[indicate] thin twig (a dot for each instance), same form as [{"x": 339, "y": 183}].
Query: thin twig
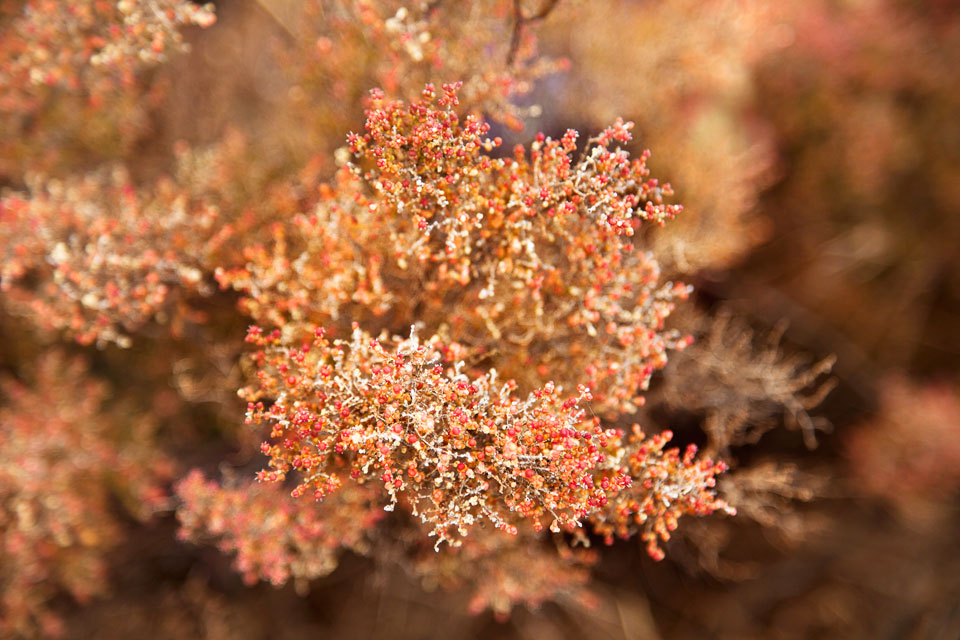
[{"x": 520, "y": 20}]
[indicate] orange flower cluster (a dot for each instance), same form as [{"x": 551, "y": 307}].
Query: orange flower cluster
[
  {"x": 67, "y": 45},
  {"x": 526, "y": 260},
  {"x": 95, "y": 258},
  {"x": 456, "y": 450},
  {"x": 70, "y": 69},
  {"x": 666, "y": 485}
]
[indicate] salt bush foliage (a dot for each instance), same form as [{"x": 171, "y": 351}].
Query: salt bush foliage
[
  {"x": 64, "y": 456},
  {"x": 457, "y": 450},
  {"x": 73, "y": 75},
  {"x": 534, "y": 252},
  {"x": 451, "y": 339},
  {"x": 102, "y": 259}
]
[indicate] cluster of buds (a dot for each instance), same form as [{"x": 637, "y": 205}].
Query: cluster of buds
[
  {"x": 275, "y": 538},
  {"x": 457, "y": 450},
  {"x": 78, "y": 44},
  {"x": 62, "y": 457},
  {"x": 320, "y": 267},
  {"x": 74, "y": 91},
  {"x": 666, "y": 485},
  {"x": 530, "y": 256},
  {"x": 93, "y": 257}
]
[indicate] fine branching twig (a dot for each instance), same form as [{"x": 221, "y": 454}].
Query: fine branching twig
[{"x": 520, "y": 20}]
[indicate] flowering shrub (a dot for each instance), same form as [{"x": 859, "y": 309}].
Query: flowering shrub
[
  {"x": 453, "y": 336},
  {"x": 62, "y": 457},
  {"x": 534, "y": 252},
  {"x": 61, "y": 60},
  {"x": 457, "y": 451},
  {"x": 102, "y": 259},
  {"x": 273, "y": 537}
]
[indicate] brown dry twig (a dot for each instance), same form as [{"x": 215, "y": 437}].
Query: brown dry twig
[{"x": 520, "y": 20}]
